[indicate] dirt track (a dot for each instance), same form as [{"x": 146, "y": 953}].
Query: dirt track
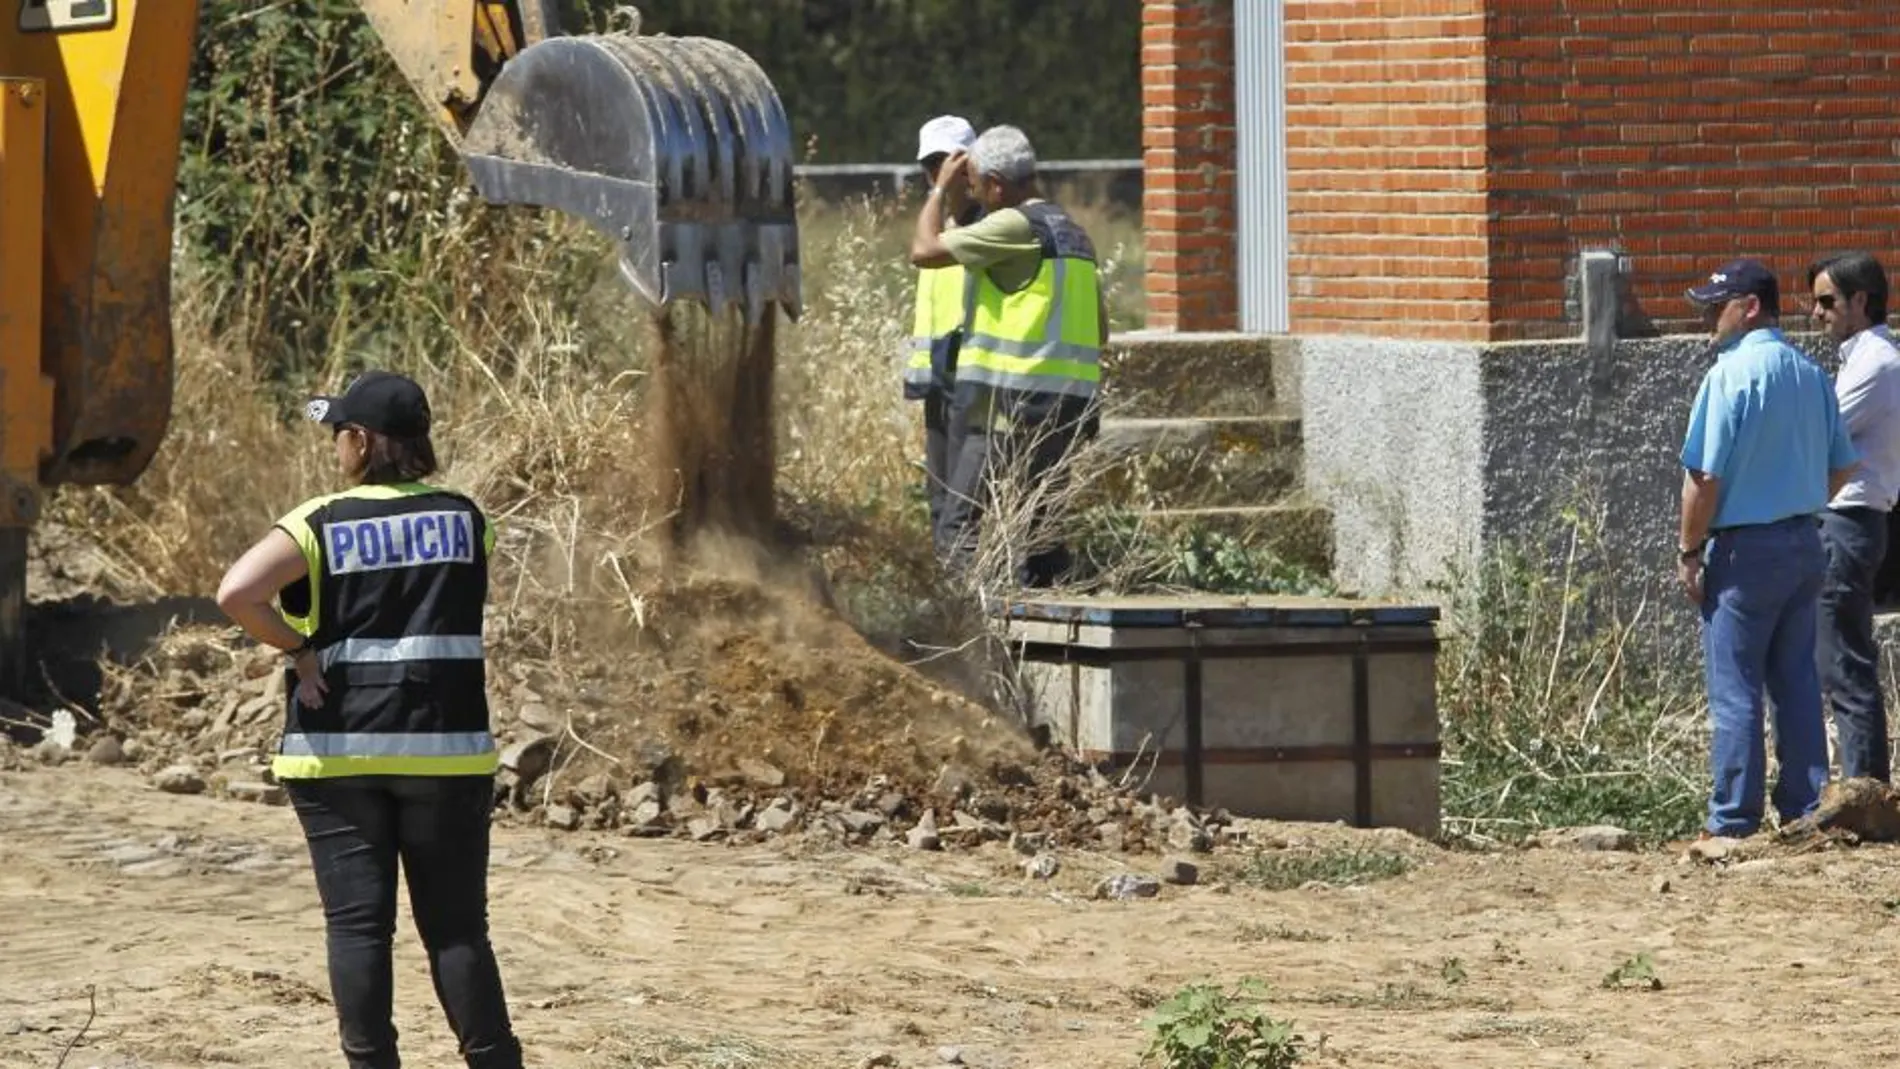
[{"x": 196, "y": 920}]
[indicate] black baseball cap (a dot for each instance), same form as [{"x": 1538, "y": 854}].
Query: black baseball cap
[
  {"x": 1739, "y": 278},
  {"x": 380, "y": 401}
]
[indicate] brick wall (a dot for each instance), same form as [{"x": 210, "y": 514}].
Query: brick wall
[
  {"x": 1385, "y": 166},
  {"x": 1188, "y": 207},
  {"x": 1449, "y": 159},
  {"x": 1682, "y": 135}
]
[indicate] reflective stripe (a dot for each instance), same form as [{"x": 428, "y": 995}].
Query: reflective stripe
[
  {"x": 407, "y": 648},
  {"x": 1047, "y": 365},
  {"x": 1055, "y": 349},
  {"x": 387, "y": 744},
  {"x": 297, "y": 768}
]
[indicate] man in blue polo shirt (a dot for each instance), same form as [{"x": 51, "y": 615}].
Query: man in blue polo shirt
[{"x": 1765, "y": 451}]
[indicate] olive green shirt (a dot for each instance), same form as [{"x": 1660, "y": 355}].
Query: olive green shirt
[{"x": 1002, "y": 243}]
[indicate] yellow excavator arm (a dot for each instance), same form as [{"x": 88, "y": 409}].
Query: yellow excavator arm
[{"x": 676, "y": 148}]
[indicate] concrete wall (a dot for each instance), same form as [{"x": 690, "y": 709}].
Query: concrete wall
[
  {"x": 1430, "y": 454},
  {"x": 1394, "y": 440}
]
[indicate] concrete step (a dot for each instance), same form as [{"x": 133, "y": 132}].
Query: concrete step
[
  {"x": 1192, "y": 463},
  {"x": 1295, "y": 530},
  {"x": 1163, "y": 374}
]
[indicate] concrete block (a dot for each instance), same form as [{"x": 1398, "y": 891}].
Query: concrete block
[
  {"x": 1178, "y": 463},
  {"x": 1162, "y": 374},
  {"x": 1298, "y": 700}
]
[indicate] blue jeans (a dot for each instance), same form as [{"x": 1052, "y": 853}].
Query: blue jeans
[
  {"x": 1760, "y": 607},
  {"x": 1856, "y": 541}
]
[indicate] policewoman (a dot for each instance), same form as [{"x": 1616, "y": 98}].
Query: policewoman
[{"x": 386, "y": 751}]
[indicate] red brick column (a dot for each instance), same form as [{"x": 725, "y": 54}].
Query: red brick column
[
  {"x": 1385, "y": 117},
  {"x": 1188, "y": 205}
]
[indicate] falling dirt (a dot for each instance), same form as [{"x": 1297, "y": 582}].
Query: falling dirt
[{"x": 709, "y": 421}]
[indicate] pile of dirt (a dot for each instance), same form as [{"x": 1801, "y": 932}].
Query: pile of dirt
[{"x": 742, "y": 710}]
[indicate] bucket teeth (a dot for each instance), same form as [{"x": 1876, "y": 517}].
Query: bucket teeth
[{"x": 677, "y": 148}]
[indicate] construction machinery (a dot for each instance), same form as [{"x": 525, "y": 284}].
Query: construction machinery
[{"x": 676, "y": 148}]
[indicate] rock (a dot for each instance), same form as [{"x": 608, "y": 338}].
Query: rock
[
  {"x": 563, "y": 817},
  {"x": 595, "y": 790},
  {"x": 950, "y": 1055},
  {"x": 646, "y": 814},
  {"x": 1190, "y": 837},
  {"x": 954, "y": 781},
  {"x": 702, "y": 829},
  {"x": 761, "y": 774},
  {"x": 529, "y": 760},
  {"x": 1042, "y": 867},
  {"x": 250, "y": 791},
  {"x": 179, "y": 779},
  {"x": 1029, "y": 843},
  {"x": 778, "y": 817},
  {"x": 924, "y": 836},
  {"x": 967, "y": 827},
  {"x": 1594, "y": 838},
  {"x": 48, "y": 751},
  {"x": 1113, "y": 836},
  {"x": 858, "y": 822},
  {"x": 63, "y": 730},
  {"x": 1128, "y": 885},
  {"x": 1866, "y": 809},
  {"x": 1661, "y": 885},
  {"x": 133, "y": 749},
  {"x": 107, "y": 751},
  {"x": 1181, "y": 873},
  {"x": 240, "y": 753},
  {"x": 537, "y": 716},
  {"x": 644, "y": 792},
  {"x": 1713, "y": 850},
  {"x": 994, "y": 809},
  {"x": 892, "y": 803},
  {"x": 878, "y": 1060}
]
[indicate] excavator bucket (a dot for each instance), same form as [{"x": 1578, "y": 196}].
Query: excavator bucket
[{"x": 677, "y": 148}]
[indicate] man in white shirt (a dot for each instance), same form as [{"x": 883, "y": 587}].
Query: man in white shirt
[{"x": 1850, "y": 303}]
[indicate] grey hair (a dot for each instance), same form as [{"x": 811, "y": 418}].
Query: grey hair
[{"x": 1004, "y": 152}]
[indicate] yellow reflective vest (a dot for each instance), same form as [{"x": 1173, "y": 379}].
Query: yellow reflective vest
[
  {"x": 939, "y": 312},
  {"x": 393, "y": 605},
  {"x": 1037, "y": 349}
]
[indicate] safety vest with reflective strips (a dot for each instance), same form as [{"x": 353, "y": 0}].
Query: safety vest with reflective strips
[
  {"x": 394, "y": 598},
  {"x": 941, "y": 303},
  {"x": 1039, "y": 348}
]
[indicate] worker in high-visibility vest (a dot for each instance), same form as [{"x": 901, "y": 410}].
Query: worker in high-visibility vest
[
  {"x": 937, "y": 321},
  {"x": 1029, "y": 365},
  {"x": 379, "y": 593}
]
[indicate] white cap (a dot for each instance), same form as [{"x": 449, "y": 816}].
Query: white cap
[{"x": 945, "y": 134}]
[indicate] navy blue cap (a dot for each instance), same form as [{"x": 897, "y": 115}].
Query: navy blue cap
[
  {"x": 381, "y": 401},
  {"x": 1739, "y": 278}
]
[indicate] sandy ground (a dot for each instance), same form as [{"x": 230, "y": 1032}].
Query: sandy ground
[{"x": 195, "y": 922}]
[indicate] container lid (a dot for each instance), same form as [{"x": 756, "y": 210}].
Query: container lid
[{"x": 1215, "y": 610}]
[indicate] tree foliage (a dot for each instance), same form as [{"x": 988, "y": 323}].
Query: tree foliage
[{"x": 859, "y": 76}]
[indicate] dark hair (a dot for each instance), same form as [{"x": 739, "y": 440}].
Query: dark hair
[
  {"x": 398, "y": 460},
  {"x": 1856, "y": 272}
]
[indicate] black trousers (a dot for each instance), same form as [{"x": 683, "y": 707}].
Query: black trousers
[
  {"x": 1033, "y": 458},
  {"x": 939, "y": 454},
  {"x": 358, "y": 828}
]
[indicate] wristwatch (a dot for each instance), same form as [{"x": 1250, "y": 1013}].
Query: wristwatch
[
  {"x": 1692, "y": 553},
  {"x": 309, "y": 643}
]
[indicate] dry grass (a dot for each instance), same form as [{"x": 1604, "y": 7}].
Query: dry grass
[{"x": 541, "y": 398}]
